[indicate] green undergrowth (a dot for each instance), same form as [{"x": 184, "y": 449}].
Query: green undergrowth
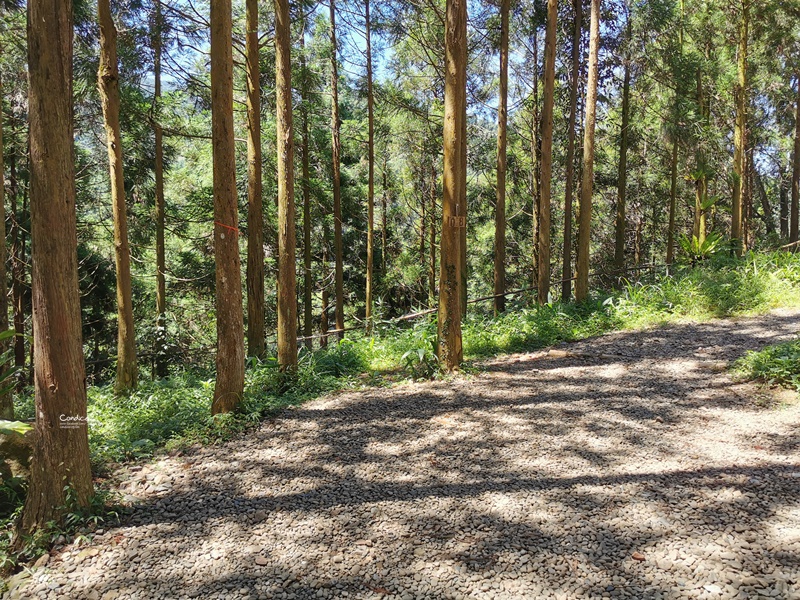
[
  {"x": 774, "y": 365},
  {"x": 174, "y": 413}
]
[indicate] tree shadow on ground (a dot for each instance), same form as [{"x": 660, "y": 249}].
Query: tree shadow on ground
[{"x": 539, "y": 478}]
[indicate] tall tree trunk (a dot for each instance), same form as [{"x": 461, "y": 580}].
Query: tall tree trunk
[
  {"x": 384, "y": 219},
  {"x": 337, "y": 197},
  {"x": 423, "y": 233},
  {"x": 308, "y": 316},
  {"x": 60, "y": 460},
  {"x": 432, "y": 242},
  {"x": 17, "y": 270},
  {"x": 326, "y": 296},
  {"x": 783, "y": 199},
  {"x": 6, "y": 399},
  {"x": 371, "y": 179},
  {"x": 673, "y": 187},
  {"x": 739, "y": 132},
  {"x": 108, "y": 84},
  {"x": 587, "y": 175},
  {"x": 535, "y": 166},
  {"x": 769, "y": 221},
  {"x": 500, "y": 204},
  {"x": 543, "y": 272},
  {"x": 161, "y": 263},
  {"x": 287, "y": 302},
  {"x": 464, "y": 210},
  {"x": 256, "y": 338},
  {"x": 453, "y": 219},
  {"x": 230, "y": 318},
  {"x": 701, "y": 182},
  {"x": 673, "y": 200},
  {"x": 622, "y": 173},
  {"x": 795, "y": 207},
  {"x": 566, "y": 273}
]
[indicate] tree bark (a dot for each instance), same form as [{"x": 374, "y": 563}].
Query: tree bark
[
  {"x": 464, "y": 210},
  {"x": 6, "y": 400},
  {"x": 337, "y": 197},
  {"x": 384, "y": 219},
  {"x": 108, "y": 85},
  {"x": 432, "y": 241},
  {"x": 453, "y": 219},
  {"x": 500, "y": 204},
  {"x": 701, "y": 182},
  {"x": 769, "y": 221},
  {"x": 794, "y": 211},
  {"x": 161, "y": 263},
  {"x": 535, "y": 163},
  {"x": 256, "y": 326},
  {"x": 371, "y": 178},
  {"x": 783, "y": 199},
  {"x": 308, "y": 315},
  {"x": 673, "y": 200},
  {"x": 566, "y": 273},
  {"x": 587, "y": 176},
  {"x": 60, "y": 459},
  {"x": 739, "y": 132},
  {"x": 287, "y": 302},
  {"x": 622, "y": 173},
  {"x": 17, "y": 270},
  {"x": 230, "y": 318},
  {"x": 543, "y": 272}
]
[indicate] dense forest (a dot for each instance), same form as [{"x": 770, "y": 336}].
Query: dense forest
[{"x": 221, "y": 184}]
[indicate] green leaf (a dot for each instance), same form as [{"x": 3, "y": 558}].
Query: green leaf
[{"x": 19, "y": 427}]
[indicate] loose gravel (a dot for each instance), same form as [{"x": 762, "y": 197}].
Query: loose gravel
[{"x": 626, "y": 466}]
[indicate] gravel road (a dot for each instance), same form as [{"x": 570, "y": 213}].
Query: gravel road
[{"x": 626, "y": 466}]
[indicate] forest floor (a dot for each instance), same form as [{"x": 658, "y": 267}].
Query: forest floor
[{"x": 625, "y": 466}]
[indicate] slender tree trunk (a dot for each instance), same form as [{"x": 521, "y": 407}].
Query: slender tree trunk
[
  {"x": 587, "y": 176},
  {"x": 795, "y": 206},
  {"x": 256, "y": 331},
  {"x": 423, "y": 234},
  {"x": 673, "y": 200},
  {"x": 326, "y": 297},
  {"x": 287, "y": 301},
  {"x": 108, "y": 84},
  {"x": 464, "y": 210},
  {"x": 308, "y": 315},
  {"x": 6, "y": 399},
  {"x": 371, "y": 179},
  {"x": 622, "y": 173},
  {"x": 699, "y": 228},
  {"x": 535, "y": 163},
  {"x": 739, "y": 133},
  {"x": 384, "y": 219},
  {"x": 783, "y": 195},
  {"x": 566, "y": 274},
  {"x": 337, "y": 197},
  {"x": 17, "y": 271},
  {"x": 453, "y": 219},
  {"x": 673, "y": 188},
  {"x": 60, "y": 460},
  {"x": 161, "y": 263},
  {"x": 543, "y": 272},
  {"x": 769, "y": 221},
  {"x": 432, "y": 242},
  {"x": 230, "y": 318},
  {"x": 500, "y": 205}
]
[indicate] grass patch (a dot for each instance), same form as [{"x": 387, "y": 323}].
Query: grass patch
[
  {"x": 774, "y": 365},
  {"x": 174, "y": 413}
]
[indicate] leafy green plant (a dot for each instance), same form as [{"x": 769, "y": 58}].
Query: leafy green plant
[
  {"x": 697, "y": 250},
  {"x": 775, "y": 365},
  {"x": 420, "y": 358}
]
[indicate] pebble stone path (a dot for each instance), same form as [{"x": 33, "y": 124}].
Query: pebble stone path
[{"x": 626, "y": 466}]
